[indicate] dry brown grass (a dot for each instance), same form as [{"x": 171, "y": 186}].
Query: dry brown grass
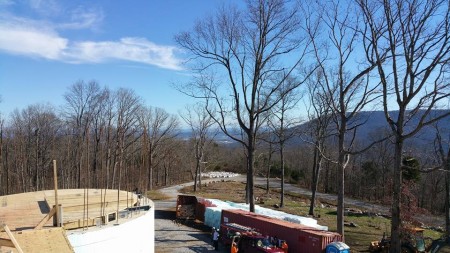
[{"x": 156, "y": 195}]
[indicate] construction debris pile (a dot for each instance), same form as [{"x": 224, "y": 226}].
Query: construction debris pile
[{"x": 219, "y": 174}]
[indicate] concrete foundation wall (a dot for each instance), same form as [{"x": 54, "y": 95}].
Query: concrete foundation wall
[{"x": 135, "y": 234}]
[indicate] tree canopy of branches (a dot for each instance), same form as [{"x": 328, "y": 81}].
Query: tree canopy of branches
[
  {"x": 282, "y": 124},
  {"x": 200, "y": 123},
  {"x": 158, "y": 127},
  {"x": 414, "y": 35},
  {"x": 82, "y": 100},
  {"x": 243, "y": 49},
  {"x": 335, "y": 35},
  {"x": 442, "y": 150},
  {"x": 319, "y": 115}
]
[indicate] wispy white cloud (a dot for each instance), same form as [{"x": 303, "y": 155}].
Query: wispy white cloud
[
  {"x": 43, "y": 41},
  {"x": 128, "y": 49},
  {"x": 29, "y": 41},
  {"x": 45, "y": 7},
  {"x": 82, "y": 18}
]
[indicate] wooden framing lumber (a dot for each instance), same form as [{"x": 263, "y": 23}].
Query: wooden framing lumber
[
  {"x": 57, "y": 211},
  {"x": 13, "y": 240},
  {"x": 80, "y": 223},
  {"x": 46, "y": 218},
  {"x": 6, "y": 243},
  {"x": 34, "y": 209}
]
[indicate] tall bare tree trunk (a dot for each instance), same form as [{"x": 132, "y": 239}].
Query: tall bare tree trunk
[
  {"x": 447, "y": 193},
  {"x": 250, "y": 184},
  {"x": 341, "y": 188},
  {"x": 3, "y": 191},
  {"x": 282, "y": 174},
  {"x": 447, "y": 202},
  {"x": 36, "y": 182},
  {"x": 150, "y": 170},
  {"x": 197, "y": 172},
  {"x": 317, "y": 164},
  {"x": 396, "y": 195},
  {"x": 269, "y": 164}
]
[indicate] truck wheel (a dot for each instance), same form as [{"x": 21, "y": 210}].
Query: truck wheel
[{"x": 407, "y": 249}]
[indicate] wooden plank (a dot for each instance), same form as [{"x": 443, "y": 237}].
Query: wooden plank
[
  {"x": 46, "y": 219},
  {"x": 71, "y": 198},
  {"x": 13, "y": 239},
  {"x": 6, "y": 243},
  {"x": 79, "y": 223},
  {"x": 55, "y": 178}
]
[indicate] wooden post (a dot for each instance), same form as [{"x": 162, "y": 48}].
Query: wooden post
[{"x": 55, "y": 176}]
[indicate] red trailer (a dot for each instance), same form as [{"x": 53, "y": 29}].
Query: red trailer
[
  {"x": 200, "y": 208},
  {"x": 300, "y": 238}
]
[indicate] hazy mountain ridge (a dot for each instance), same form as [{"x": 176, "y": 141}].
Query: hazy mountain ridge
[{"x": 374, "y": 124}]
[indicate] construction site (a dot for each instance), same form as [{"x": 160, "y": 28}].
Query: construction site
[{"x": 76, "y": 220}]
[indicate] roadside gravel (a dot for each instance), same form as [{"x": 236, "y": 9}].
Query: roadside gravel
[{"x": 181, "y": 238}]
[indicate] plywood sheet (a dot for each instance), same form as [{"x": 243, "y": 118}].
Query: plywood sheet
[{"x": 53, "y": 240}]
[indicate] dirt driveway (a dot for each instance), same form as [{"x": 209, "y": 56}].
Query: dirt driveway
[
  {"x": 179, "y": 238},
  {"x": 171, "y": 237}
]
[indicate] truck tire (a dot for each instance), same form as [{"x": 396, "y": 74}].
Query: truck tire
[{"x": 407, "y": 249}]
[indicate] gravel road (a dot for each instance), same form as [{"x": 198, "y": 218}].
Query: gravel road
[
  {"x": 170, "y": 237},
  {"x": 180, "y": 238}
]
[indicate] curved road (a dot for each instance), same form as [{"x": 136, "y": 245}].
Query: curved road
[{"x": 289, "y": 188}]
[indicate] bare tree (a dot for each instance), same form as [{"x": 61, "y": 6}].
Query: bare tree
[
  {"x": 244, "y": 48},
  {"x": 110, "y": 115},
  {"x": 269, "y": 139},
  {"x": 319, "y": 114},
  {"x": 282, "y": 123},
  {"x": 442, "y": 149},
  {"x": 128, "y": 105},
  {"x": 99, "y": 127},
  {"x": 81, "y": 100},
  {"x": 4, "y": 177},
  {"x": 158, "y": 127},
  {"x": 35, "y": 130},
  {"x": 200, "y": 122},
  {"x": 337, "y": 42},
  {"x": 415, "y": 35}
]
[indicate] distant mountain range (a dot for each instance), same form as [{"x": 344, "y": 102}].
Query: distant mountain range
[{"x": 374, "y": 125}]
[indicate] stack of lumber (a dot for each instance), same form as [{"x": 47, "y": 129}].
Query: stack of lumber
[{"x": 186, "y": 211}]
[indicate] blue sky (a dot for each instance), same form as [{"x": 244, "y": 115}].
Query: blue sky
[{"x": 47, "y": 45}]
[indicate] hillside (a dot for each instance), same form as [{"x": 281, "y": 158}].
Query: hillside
[{"x": 374, "y": 125}]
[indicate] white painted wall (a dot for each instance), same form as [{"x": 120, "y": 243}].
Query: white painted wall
[{"x": 137, "y": 234}]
